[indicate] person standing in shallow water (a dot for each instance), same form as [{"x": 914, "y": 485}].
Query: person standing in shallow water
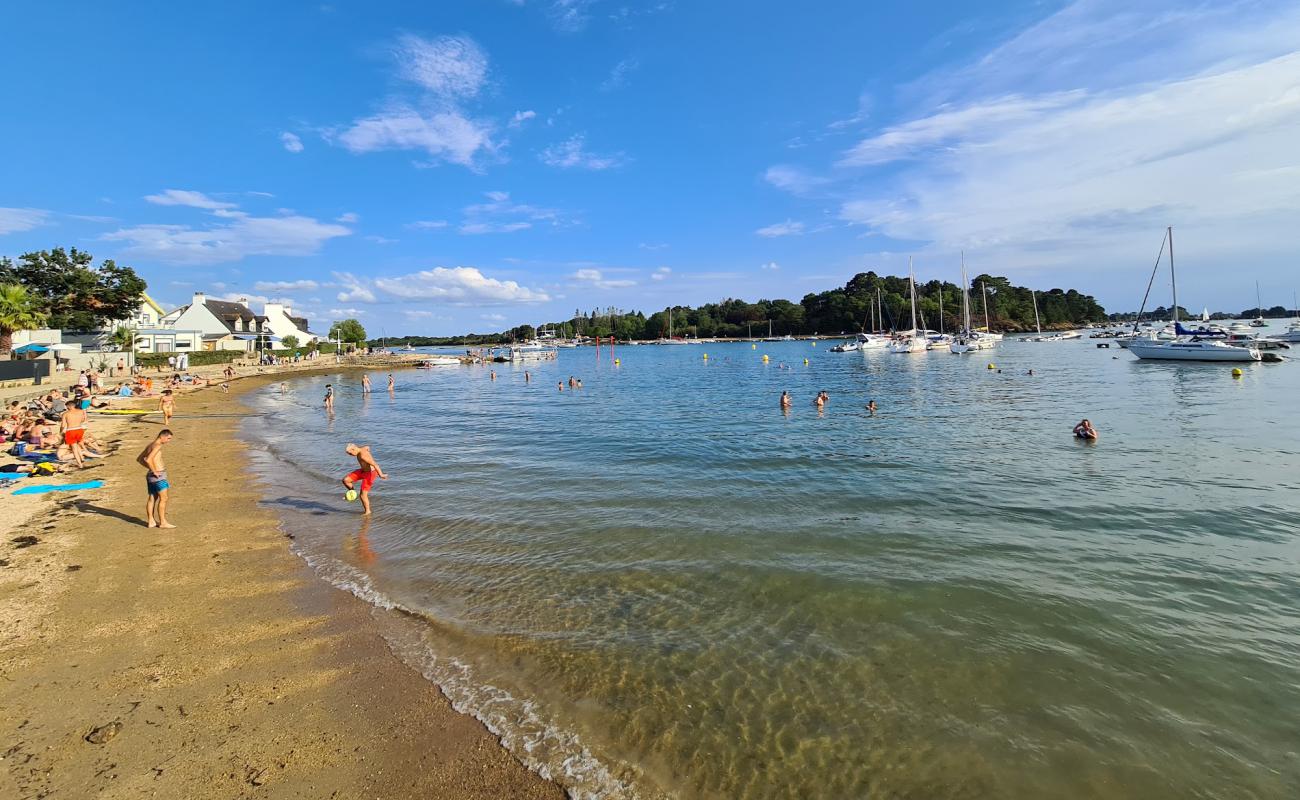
[
  {"x": 367, "y": 470},
  {"x": 391, "y": 384},
  {"x": 785, "y": 401},
  {"x": 365, "y": 384}
]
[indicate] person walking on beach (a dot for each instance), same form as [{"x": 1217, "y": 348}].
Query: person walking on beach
[
  {"x": 155, "y": 477},
  {"x": 365, "y": 384},
  {"x": 72, "y": 426},
  {"x": 167, "y": 405},
  {"x": 367, "y": 470}
]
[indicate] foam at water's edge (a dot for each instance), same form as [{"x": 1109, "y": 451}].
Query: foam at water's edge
[{"x": 543, "y": 747}]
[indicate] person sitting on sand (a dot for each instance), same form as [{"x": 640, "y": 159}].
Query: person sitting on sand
[
  {"x": 367, "y": 470},
  {"x": 167, "y": 405},
  {"x": 1084, "y": 430},
  {"x": 155, "y": 476}
]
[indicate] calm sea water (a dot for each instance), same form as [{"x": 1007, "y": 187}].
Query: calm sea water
[{"x": 661, "y": 585}]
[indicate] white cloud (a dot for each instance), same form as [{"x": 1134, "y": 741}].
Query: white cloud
[
  {"x": 238, "y": 234},
  {"x": 417, "y": 314},
  {"x": 380, "y": 240},
  {"x": 652, "y": 246},
  {"x": 185, "y": 197},
  {"x": 447, "y": 135},
  {"x": 347, "y": 312},
  {"x": 447, "y": 66},
  {"x": 291, "y": 142},
  {"x": 521, "y": 117},
  {"x": 347, "y": 217},
  {"x": 428, "y": 224},
  {"x": 493, "y": 317},
  {"x": 1091, "y": 179},
  {"x": 787, "y": 228},
  {"x": 951, "y": 124},
  {"x": 661, "y": 273},
  {"x": 594, "y": 277},
  {"x": 463, "y": 285},
  {"x": 476, "y": 228},
  {"x": 286, "y": 286},
  {"x": 15, "y": 220},
  {"x": 354, "y": 289},
  {"x": 572, "y": 153},
  {"x": 770, "y": 266}
]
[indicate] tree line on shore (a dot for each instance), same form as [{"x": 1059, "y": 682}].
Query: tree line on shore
[{"x": 867, "y": 302}]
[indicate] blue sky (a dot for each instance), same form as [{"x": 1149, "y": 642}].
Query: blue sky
[{"x": 453, "y": 166}]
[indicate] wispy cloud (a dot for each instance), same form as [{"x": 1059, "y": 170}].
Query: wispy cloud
[
  {"x": 291, "y": 142},
  {"x": 787, "y": 228},
  {"x": 570, "y": 16},
  {"x": 15, "y": 220},
  {"x": 500, "y": 214},
  {"x": 594, "y": 277},
  {"x": 452, "y": 67},
  {"x": 186, "y": 197},
  {"x": 449, "y": 71},
  {"x": 286, "y": 286},
  {"x": 661, "y": 273},
  {"x": 355, "y": 290},
  {"x": 520, "y": 118},
  {"x": 618, "y": 76},
  {"x": 459, "y": 285},
  {"x": 235, "y": 236},
  {"x": 428, "y": 224},
  {"x": 572, "y": 153},
  {"x": 653, "y": 246},
  {"x": 770, "y": 266},
  {"x": 794, "y": 180}
]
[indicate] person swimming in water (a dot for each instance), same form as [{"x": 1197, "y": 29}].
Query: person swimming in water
[
  {"x": 871, "y": 406},
  {"x": 785, "y": 401},
  {"x": 1084, "y": 430}
]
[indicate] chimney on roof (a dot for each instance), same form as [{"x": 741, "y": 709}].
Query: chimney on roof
[
  {"x": 199, "y": 299},
  {"x": 243, "y": 301}
]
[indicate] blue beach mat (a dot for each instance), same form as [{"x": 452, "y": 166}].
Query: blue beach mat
[{"x": 58, "y": 487}]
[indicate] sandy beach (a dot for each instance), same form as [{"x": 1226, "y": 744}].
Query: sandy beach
[{"x": 207, "y": 661}]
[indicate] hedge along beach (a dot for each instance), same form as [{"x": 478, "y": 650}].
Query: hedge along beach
[{"x": 138, "y": 661}]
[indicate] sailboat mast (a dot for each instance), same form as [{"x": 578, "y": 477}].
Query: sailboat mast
[
  {"x": 880, "y": 310},
  {"x": 911, "y": 281},
  {"x": 1173, "y": 281},
  {"x": 965, "y": 295},
  {"x": 1037, "y": 324},
  {"x": 984, "y": 292},
  {"x": 941, "y": 307}
]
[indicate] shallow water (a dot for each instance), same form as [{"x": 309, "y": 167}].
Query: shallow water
[{"x": 661, "y": 584}]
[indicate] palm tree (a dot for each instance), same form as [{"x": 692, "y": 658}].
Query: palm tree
[
  {"x": 123, "y": 339},
  {"x": 18, "y": 312}
]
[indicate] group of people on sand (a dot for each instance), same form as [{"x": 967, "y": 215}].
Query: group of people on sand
[{"x": 55, "y": 422}]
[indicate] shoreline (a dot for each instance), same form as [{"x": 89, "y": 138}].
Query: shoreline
[{"x": 226, "y": 661}]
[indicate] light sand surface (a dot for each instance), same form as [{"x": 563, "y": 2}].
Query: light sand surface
[{"x": 231, "y": 669}]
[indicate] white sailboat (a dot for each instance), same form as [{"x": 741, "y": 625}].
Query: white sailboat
[
  {"x": 967, "y": 341},
  {"x": 1258, "y": 321},
  {"x": 670, "y": 339},
  {"x": 1187, "y": 348},
  {"x": 912, "y": 341},
  {"x": 872, "y": 341}
]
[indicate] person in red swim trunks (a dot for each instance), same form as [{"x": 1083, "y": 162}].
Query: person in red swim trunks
[{"x": 367, "y": 470}]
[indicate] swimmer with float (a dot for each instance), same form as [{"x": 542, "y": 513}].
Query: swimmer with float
[{"x": 365, "y": 474}]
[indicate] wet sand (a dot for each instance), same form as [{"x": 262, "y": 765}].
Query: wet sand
[{"x": 214, "y": 663}]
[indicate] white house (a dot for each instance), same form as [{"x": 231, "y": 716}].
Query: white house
[
  {"x": 281, "y": 322},
  {"x": 223, "y": 325}
]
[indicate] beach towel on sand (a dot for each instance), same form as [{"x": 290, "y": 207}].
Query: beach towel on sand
[{"x": 42, "y": 488}]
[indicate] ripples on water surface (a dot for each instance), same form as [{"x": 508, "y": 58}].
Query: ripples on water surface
[{"x": 659, "y": 583}]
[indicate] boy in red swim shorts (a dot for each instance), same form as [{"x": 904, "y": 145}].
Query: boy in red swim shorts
[{"x": 367, "y": 470}]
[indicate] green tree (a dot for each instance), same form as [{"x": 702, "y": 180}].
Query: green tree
[
  {"x": 349, "y": 331},
  {"x": 18, "y": 312},
  {"x": 73, "y": 293},
  {"x": 289, "y": 342}
]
